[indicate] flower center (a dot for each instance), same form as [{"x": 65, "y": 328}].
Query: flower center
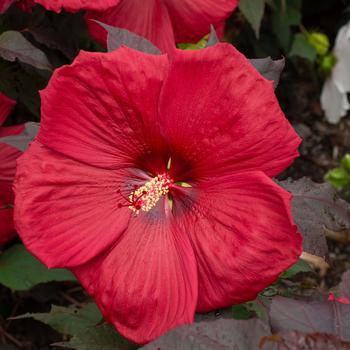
[{"x": 147, "y": 196}]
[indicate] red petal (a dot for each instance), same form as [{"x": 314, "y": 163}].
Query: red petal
[
  {"x": 9, "y": 153},
  {"x": 102, "y": 110},
  {"x": 26, "y": 5},
  {"x": 76, "y": 5},
  {"x": 6, "y": 193},
  {"x": 147, "y": 283},
  {"x": 242, "y": 233},
  {"x": 192, "y": 18},
  {"x": 222, "y": 116},
  {"x": 7, "y": 231},
  {"x": 66, "y": 212},
  {"x": 6, "y": 104},
  {"x": 149, "y": 19},
  {"x": 11, "y": 130},
  {"x": 4, "y": 5},
  {"x": 8, "y": 157}
]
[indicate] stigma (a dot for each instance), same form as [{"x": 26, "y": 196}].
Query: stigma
[{"x": 147, "y": 196}]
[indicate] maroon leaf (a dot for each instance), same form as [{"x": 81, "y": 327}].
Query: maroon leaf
[
  {"x": 316, "y": 206},
  {"x": 310, "y": 317},
  {"x": 302, "y": 341},
  {"x": 213, "y": 38},
  {"x": 22, "y": 140},
  {"x": 222, "y": 334},
  {"x": 117, "y": 37},
  {"x": 269, "y": 68},
  {"x": 345, "y": 285},
  {"x": 13, "y": 45}
]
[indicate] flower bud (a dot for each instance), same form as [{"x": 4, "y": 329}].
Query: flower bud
[
  {"x": 327, "y": 63},
  {"x": 345, "y": 162},
  {"x": 338, "y": 178},
  {"x": 319, "y": 41}
]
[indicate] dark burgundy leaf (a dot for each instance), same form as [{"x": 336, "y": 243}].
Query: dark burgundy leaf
[
  {"x": 222, "y": 334},
  {"x": 116, "y": 37},
  {"x": 22, "y": 141},
  {"x": 13, "y": 45},
  {"x": 302, "y": 341},
  {"x": 316, "y": 206},
  {"x": 269, "y": 68},
  {"x": 310, "y": 317},
  {"x": 345, "y": 285},
  {"x": 213, "y": 38},
  {"x": 22, "y": 83}
]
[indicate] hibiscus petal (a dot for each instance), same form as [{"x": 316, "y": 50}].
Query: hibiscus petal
[
  {"x": 66, "y": 212},
  {"x": 4, "y": 5},
  {"x": 192, "y": 18},
  {"x": 149, "y": 19},
  {"x": 77, "y": 5},
  {"x": 8, "y": 157},
  {"x": 222, "y": 116},
  {"x": 13, "y": 141},
  {"x": 6, "y": 104},
  {"x": 106, "y": 105},
  {"x": 6, "y": 193},
  {"x": 147, "y": 283},
  {"x": 7, "y": 230},
  {"x": 243, "y": 235},
  {"x": 11, "y": 130}
]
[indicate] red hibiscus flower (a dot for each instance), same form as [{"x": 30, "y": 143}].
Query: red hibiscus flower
[
  {"x": 150, "y": 179},
  {"x": 8, "y": 156},
  {"x": 13, "y": 141},
  {"x": 58, "y": 5},
  {"x": 163, "y": 22}
]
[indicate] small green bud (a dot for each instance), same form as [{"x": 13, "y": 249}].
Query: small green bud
[
  {"x": 345, "y": 162},
  {"x": 327, "y": 63},
  {"x": 319, "y": 41},
  {"x": 338, "y": 178}
]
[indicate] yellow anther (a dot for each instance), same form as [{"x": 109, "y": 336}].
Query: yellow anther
[{"x": 147, "y": 196}]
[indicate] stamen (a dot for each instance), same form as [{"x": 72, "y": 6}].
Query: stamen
[{"x": 147, "y": 196}]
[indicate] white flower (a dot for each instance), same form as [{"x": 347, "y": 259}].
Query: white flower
[{"x": 334, "y": 100}]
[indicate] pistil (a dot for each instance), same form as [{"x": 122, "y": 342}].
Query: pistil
[{"x": 147, "y": 196}]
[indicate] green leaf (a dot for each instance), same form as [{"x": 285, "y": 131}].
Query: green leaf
[
  {"x": 302, "y": 48},
  {"x": 282, "y": 30},
  {"x": 19, "y": 270},
  {"x": 13, "y": 45},
  {"x": 100, "y": 337},
  {"x": 254, "y": 12},
  {"x": 299, "y": 266},
  {"x": 84, "y": 327},
  {"x": 241, "y": 312},
  {"x": 68, "y": 320}
]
